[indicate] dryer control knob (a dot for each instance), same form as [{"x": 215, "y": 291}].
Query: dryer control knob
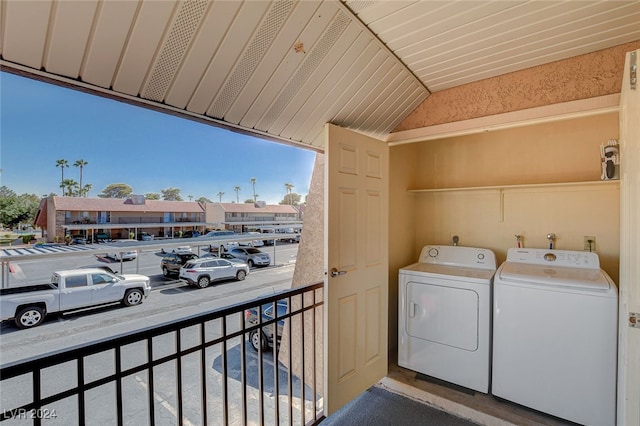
[
  {"x": 433, "y": 252},
  {"x": 480, "y": 256}
]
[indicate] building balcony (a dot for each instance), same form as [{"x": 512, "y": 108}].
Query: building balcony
[{"x": 200, "y": 370}]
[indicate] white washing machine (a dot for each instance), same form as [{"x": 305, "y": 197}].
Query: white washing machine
[
  {"x": 555, "y": 334},
  {"x": 444, "y": 315}
]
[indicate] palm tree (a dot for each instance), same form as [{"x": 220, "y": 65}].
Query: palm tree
[
  {"x": 253, "y": 182},
  {"x": 69, "y": 184},
  {"x": 85, "y": 190},
  {"x": 289, "y": 187},
  {"x": 80, "y": 163},
  {"x": 220, "y": 194},
  {"x": 237, "y": 189},
  {"x": 62, "y": 163},
  {"x": 190, "y": 197}
]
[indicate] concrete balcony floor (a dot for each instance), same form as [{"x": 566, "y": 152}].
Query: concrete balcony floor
[{"x": 477, "y": 407}]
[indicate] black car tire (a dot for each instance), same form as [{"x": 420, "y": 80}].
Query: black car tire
[
  {"x": 28, "y": 317},
  {"x": 133, "y": 297},
  {"x": 241, "y": 275},
  {"x": 203, "y": 282},
  {"x": 165, "y": 272},
  {"x": 258, "y": 341},
  {"x": 250, "y": 263}
]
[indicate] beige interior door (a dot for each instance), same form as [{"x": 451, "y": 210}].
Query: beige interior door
[
  {"x": 356, "y": 268},
  {"x": 629, "y": 338}
]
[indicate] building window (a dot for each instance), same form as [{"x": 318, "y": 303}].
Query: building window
[{"x": 104, "y": 217}]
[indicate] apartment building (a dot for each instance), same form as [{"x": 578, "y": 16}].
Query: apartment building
[{"x": 116, "y": 217}]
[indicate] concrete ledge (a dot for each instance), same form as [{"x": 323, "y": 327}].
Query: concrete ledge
[{"x": 441, "y": 403}]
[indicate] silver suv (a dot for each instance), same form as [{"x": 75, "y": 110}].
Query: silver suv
[
  {"x": 252, "y": 256},
  {"x": 201, "y": 272}
]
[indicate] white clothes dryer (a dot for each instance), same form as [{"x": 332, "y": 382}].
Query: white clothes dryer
[
  {"x": 555, "y": 334},
  {"x": 444, "y": 315}
]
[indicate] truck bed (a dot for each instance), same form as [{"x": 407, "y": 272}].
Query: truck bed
[{"x": 26, "y": 289}]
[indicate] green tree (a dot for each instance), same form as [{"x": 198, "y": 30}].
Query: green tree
[
  {"x": 116, "y": 190},
  {"x": 171, "y": 194},
  {"x": 204, "y": 200},
  {"x": 291, "y": 199},
  {"x": 220, "y": 194},
  {"x": 237, "y": 189},
  {"x": 15, "y": 209},
  {"x": 152, "y": 196},
  {"x": 80, "y": 163},
  {"x": 288, "y": 187},
  {"x": 249, "y": 201},
  {"x": 62, "y": 163}
]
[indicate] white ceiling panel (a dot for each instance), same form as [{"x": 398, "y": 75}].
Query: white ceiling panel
[
  {"x": 322, "y": 90},
  {"x": 226, "y": 54},
  {"x": 281, "y": 73},
  {"x": 284, "y": 68},
  {"x": 106, "y": 45},
  {"x": 310, "y": 61},
  {"x": 68, "y": 36},
  {"x": 199, "y": 56},
  {"x": 24, "y": 36},
  {"x": 143, "y": 42},
  {"x": 316, "y": 85},
  {"x": 288, "y": 47}
]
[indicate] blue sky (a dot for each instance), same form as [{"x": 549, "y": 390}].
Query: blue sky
[{"x": 150, "y": 151}]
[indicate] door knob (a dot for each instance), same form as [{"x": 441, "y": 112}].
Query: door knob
[{"x": 335, "y": 272}]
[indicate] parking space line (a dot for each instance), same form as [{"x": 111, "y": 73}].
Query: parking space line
[{"x": 163, "y": 402}]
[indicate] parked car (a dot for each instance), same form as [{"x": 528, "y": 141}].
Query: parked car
[
  {"x": 101, "y": 237},
  {"x": 228, "y": 245},
  {"x": 218, "y": 233},
  {"x": 123, "y": 255},
  {"x": 252, "y": 256},
  {"x": 172, "y": 262},
  {"x": 224, "y": 255},
  {"x": 78, "y": 240},
  {"x": 201, "y": 272},
  {"x": 190, "y": 234},
  {"x": 182, "y": 250},
  {"x": 262, "y": 339},
  {"x": 253, "y": 243},
  {"x": 70, "y": 290},
  {"x": 145, "y": 236}
]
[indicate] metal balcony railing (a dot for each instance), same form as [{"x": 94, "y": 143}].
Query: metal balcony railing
[{"x": 201, "y": 370}]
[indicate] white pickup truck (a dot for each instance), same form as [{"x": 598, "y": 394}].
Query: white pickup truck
[{"x": 70, "y": 290}]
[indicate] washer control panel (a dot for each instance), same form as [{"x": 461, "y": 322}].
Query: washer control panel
[{"x": 568, "y": 258}]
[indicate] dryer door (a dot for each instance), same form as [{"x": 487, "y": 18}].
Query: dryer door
[{"x": 443, "y": 315}]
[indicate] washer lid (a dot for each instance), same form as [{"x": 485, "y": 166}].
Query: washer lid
[
  {"x": 557, "y": 276},
  {"x": 449, "y": 272}
]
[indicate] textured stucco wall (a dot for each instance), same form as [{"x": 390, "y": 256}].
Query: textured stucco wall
[
  {"x": 581, "y": 77},
  {"x": 309, "y": 269}
]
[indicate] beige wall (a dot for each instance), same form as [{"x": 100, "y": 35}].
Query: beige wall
[
  {"x": 214, "y": 213},
  {"x": 564, "y": 151},
  {"x": 580, "y": 77}
]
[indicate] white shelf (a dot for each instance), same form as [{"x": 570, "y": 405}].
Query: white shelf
[{"x": 522, "y": 186}]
